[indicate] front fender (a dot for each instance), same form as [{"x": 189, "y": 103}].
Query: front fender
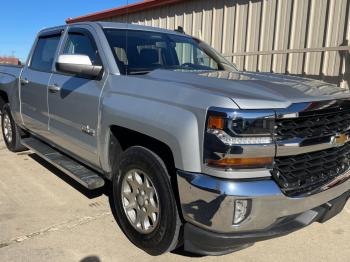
[{"x": 174, "y": 126}]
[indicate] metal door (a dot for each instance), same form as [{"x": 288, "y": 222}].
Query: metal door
[{"x": 74, "y": 101}]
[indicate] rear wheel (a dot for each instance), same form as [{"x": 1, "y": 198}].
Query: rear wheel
[
  {"x": 144, "y": 201},
  {"x": 10, "y": 131}
]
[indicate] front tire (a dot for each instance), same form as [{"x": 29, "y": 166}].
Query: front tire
[
  {"x": 144, "y": 201},
  {"x": 10, "y": 131}
]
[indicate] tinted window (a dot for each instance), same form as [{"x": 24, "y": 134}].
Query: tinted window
[
  {"x": 139, "y": 52},
  {"x": 80, "y": 44},
  {"x": 44, "y": 53}
]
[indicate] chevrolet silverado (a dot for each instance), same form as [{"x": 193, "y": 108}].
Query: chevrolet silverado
[{"x": 199, "y": 154}]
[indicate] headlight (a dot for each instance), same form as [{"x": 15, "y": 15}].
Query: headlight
[{"x": 237, "y": 139}]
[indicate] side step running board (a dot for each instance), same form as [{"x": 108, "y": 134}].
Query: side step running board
[{"x": 75, "y": 170}]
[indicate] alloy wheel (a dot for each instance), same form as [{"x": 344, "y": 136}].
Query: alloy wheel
[
  {"x": 7, "y": 128},
  {"x": 140, "y": 201}
]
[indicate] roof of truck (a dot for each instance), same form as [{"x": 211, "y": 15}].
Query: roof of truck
[
  {"x": 136, "y": 27},
  {"x": 112, "y": 25}
]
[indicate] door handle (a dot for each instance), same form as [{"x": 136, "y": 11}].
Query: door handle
[
  {"x": 24, "y": 81},
  {"x": 54, "y": 88}
]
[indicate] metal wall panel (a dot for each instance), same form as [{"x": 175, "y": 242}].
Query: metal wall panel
[
  {"x": 197, "y": 19},
  {"x": 240, "y": 22},
  {"x": 334, "y": 36},
  {"x": 298, "y": 35},
  {"x": 316, "y": 33},
  {"x": 253, "y": 31},
  {"x": 267, "y": 33},
  {"x": 280, "y": 36},
  {"x": 283, "y": 20},
  {"x": 348, "y": 34},
  {"x": 346, "y": 59},
  {"x": 217, "y": 25},
  {"x": 228, "y": 29}
]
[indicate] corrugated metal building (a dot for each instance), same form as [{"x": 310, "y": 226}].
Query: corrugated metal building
[{"x": 301, "y": 37}]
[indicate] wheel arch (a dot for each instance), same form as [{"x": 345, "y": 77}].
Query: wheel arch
[
  {"x": 174, "y": 128},
  {"x": 122, "y": 138}
]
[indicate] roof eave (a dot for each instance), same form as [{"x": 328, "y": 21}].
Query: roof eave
[{"x": 128, "y": 9}]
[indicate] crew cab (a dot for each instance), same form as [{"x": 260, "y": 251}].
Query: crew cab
[{"x": 199, "y": 154}]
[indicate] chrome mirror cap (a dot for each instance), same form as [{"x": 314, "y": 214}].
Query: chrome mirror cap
[{"x": 77, "y": 65}]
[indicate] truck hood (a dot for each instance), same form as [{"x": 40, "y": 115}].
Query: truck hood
[{"x": 254, "y": 90}]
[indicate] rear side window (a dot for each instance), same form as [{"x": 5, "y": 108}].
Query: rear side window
[
  {"x": 81, "y": 44},
  {"x": 44, "y": 53}
]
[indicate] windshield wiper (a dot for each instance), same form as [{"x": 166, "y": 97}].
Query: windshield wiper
[{"x": 139, "y": 72}]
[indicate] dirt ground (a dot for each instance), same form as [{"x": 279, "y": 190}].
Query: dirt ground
[{"x": 46, "y": 216}]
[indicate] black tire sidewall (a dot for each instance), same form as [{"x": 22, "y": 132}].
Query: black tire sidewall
[{"x": 160, "y": 240}]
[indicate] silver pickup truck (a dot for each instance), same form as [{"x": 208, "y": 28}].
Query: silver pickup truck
[{"x": 199, "y": 154}]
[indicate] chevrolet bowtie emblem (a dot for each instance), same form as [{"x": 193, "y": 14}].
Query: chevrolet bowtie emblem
[{"x": 339, "y": 139}]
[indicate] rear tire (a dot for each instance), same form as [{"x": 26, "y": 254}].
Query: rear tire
[
  {"x": 139, "y": 172},
  {"x": 10, "y": 131}
]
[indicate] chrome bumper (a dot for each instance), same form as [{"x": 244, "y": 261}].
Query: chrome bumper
[{"x": 208, "y": 202}]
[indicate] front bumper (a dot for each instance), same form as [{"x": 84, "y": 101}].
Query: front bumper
[{"x": 207, "y": 205}]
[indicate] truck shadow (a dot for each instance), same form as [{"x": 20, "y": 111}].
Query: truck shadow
[
  {"x": 91, "y": 259},
  {"x": 91, "y": 194}
]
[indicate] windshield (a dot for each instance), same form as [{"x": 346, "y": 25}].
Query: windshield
[{"x": 140, "y": 52}]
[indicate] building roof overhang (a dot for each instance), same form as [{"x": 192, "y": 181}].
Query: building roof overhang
[{"x": 127, "y": 9}]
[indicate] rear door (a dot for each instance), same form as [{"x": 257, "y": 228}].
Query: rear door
[
  {"x": 34, "y": 82},
  {"x": 74, "y": 108}
]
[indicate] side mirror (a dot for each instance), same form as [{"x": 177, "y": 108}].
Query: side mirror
[{"x": 77, "y": 64}]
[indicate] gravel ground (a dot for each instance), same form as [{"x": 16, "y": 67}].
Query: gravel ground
[{"x": 46, "y": 216}]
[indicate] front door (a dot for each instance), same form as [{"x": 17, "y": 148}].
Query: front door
[
  {"x": 74, "y": 101},
  {"x": 34, "y": 81}
]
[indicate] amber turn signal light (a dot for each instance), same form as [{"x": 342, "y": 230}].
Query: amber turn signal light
[
  {"x": 241, "y": 162},
  {"x": 216, "y": 122}
]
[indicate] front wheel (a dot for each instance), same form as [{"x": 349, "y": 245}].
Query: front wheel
[
  {"x": 10, "y": 131},
  {"x": 144, "y": 201}
]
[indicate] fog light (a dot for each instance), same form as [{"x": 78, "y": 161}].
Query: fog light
[{"x": 242, "y": 210}]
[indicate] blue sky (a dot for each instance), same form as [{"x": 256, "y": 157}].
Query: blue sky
[{"x": 21, "y": 20}]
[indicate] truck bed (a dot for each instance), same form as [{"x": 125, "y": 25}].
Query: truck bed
[
  {"x": 13, "y": 70},
  {"x": 9, "y": 75}
]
